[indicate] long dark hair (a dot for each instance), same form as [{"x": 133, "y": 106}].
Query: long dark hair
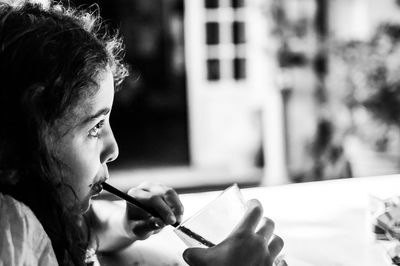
[{"x": 49, "y": 60}]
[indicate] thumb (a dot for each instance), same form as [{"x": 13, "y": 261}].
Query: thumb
[
  {"x": 194, "y": 256},
  {"x": 143, "y": 229}
]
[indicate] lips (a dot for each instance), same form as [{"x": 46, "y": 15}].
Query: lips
[{"x": 97, "y": 188}]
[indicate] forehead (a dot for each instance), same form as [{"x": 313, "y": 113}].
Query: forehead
[
  {"x": 101, "y": 97},
  {"x": 95, "y": 99}
]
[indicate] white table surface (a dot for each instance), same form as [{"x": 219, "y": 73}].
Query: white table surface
[{"x": 323, "y": 223}]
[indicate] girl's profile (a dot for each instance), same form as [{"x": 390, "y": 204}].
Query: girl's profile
[{"x": 59, "y": 70}]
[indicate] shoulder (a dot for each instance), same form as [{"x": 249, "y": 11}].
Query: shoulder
[{"x": 22, "y": 237}]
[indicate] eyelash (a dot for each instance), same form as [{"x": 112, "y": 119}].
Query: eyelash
[{"x": 95, "y": 131}]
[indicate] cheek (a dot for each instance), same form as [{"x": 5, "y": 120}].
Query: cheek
[
  {"x": 80, "y": 170},
  {"x": 83, "y": 169}
]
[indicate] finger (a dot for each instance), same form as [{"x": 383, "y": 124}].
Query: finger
[
  {"x": 266, "y": 228},
  {"x": 134, "y": 212},
  {"x": 169, "y": 195},
  {"x": 145, "y": 227},
  {"x": 194, "y": 256},
  {"x": 154, "y": 188},
  {"x": 162, "y": 208},
  {"x": 275, "y": 246},
  {"x": 154, "y": 201},
  {"x": 172, "y": 199},
  {"x": 280, "y": 261},
  {"x": 252, "y": 216}
]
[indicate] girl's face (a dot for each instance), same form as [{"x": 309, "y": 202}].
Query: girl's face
[{"x": 86, "y": 145}]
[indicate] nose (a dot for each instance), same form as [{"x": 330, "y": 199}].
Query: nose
[{"x": 110, "y": 149}]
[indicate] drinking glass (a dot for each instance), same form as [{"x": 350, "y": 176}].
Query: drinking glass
[{"x": 215, "y": 221}]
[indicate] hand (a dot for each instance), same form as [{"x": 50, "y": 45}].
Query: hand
[
  {"x": 245, "y": 246},
  {"x": 162, "y": 199}
]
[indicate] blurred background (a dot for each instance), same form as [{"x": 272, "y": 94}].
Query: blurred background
[{"x": 258, "y": 92}]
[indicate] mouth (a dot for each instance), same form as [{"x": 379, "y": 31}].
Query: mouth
[{"x": 97, "y": 188}]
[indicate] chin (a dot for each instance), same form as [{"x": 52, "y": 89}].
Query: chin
[{"x": 84, "y": 207}]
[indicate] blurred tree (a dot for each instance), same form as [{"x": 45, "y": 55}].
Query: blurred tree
[
  {"x": 296, "y": 25},
  {"x": 372, "y": 76}
]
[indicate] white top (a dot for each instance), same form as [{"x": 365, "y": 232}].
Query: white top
[{"x": 23, "y": 240}]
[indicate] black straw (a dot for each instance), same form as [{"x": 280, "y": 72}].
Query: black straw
[
  {"x": 136, "y": 203},
  {"x": 132, "y": 200}
]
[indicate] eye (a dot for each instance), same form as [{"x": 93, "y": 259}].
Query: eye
[{"x": 95, "y": 131}]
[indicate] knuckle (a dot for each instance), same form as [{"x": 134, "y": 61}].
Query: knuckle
[
  {"x": 251, "y": 239},
  {"x": 256, "y": 245},
  {"x": 259, "y": 242},
  {"x": 243, "y": 235},
  {"x": 147, "y": 185}
]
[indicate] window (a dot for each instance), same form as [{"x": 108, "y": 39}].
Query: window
[
  {"x": 239, "y": 68},
  {"x": 212, "y": 33},
  {"x": 211, "y": 3},
  {"x": 213, "y": 69},
  {"x": 225, "y": 40},
  {"x": 237, "y": 3},
  {"x": 238, "y": 32}
]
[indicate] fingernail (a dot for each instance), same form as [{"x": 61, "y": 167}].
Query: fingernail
[
  {"x": 172, "y": 219},
  {"x": 156, "y": 224},
  {"x": 185, "y": 256}
]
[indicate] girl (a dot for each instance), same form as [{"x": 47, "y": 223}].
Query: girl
[{"x": 58, "y": 72}]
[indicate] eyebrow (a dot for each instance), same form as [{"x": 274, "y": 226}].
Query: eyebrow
[{"x": 99, "y": 113}]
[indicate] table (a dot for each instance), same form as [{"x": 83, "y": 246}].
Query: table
[{"x": 324, "y": 223}]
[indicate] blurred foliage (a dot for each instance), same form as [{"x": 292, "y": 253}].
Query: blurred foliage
[
  {"x": 373, "y": 68},
  {"x": 285, "y": 30}
]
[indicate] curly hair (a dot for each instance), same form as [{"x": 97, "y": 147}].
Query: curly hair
[{"x": 49, "y": 60}]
